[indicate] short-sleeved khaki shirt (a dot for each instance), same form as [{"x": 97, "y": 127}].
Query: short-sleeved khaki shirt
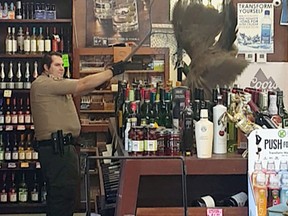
[{"x": 53, "y": 107}]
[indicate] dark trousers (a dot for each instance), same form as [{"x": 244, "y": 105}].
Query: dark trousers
[{"x": 62, "y": 176}]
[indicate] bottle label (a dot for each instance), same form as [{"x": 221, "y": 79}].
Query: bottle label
[
  {"x": 137, "y": 145},
  {"x": 14, "y": 119},
  {"x": 1, "y": 119},
  {"x": 13, "y": 197},
  {"x": 14, "y": 46},
  {"x": 1, "y": 155},
  {"x": 8, "y": 45},
  {"x": 35, "y": 155},
  {"x": 23, "y": 196},
  {"x": 27, "y": 119},
  {"x": 7, "y": 155},
  {"x": 34, "y": 196},
  {"x": 22, "y": 155},
  {"x": 8, "y": 119},
  {"x": 47, "y": 45},
  {"x": 3, "y": 197},
  {"x": 150, "y": 145},
  {"x": 27, "y": 85},
  {"x": 33, "y": 46},
  {"x": 21, "y": 118},
  {"x": 40, "y": 44},
  {"x": 28, "y": 155},
  {"x": 15, "y": 155},
  {"x": 26, "y": 45}
]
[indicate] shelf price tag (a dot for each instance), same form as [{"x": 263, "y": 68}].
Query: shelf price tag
[
  {"x": 24, "y": 165},
  {"x": 65, "y": 59},
  {"x": 214, "y": 212},
  {"x": 12, "y": 165},
  {"x": 7, "y": 93}
]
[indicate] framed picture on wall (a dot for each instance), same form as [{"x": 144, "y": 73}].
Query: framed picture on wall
[{"x": 116, "y": 21}]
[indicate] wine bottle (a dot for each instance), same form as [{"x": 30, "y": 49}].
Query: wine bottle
[
  {"x": 18, "y": 78},
  {"x": 187, "y": 126},
  {"x": 18, "y": 12},
  {"x": 35, "y": 72},
  {"x": 3, "y": 189},
  {"x": 27, "y": 81},
  {"x": 15, "y": 153},
  {"x": 21, "y": 148},
  {"x": 14, "y": 116},
  {"x": 40, "y": 41},
  {"x": 3, "y": 83},
  {"x": 23, "y": 190},
  {"x": 44, "y": 192},
  {"x": 55, "y": 39},
  {"x": 29, "y": 148},
  {"x": 2, "y": 118},
  {"x": 207, "y": 201},
  {"x": 27, "y": 42},
  {"x": 14, "y": 41},
  {"x": 27, "y": 114},
  {"x": 10, "y": 83},
  {"x": 12, "y": 195},
  {"x": 8, "y": 42},
  {"x": 7, "y": 111},
  {"x": 47, "y": 41},
  {"x": 236, "y": 200},
  {"x": 1, "y": 146},
  {"x": 34, "y": 193},
  {"x": 20, "y": 111},
  {"x": 33, "y": 42},
  {"x": 8, "y": 149}
]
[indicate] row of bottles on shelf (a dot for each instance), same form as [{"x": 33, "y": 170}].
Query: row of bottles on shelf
[
  {"x": 270, "y": 185},
  {"x": 22, "y": 187},
  {"x": 15, "y": 111},
  {"x": 138, "y": 106},
  {"x": 27, "y": 10},
  {"x": 16, "y": 146},
  {"x": 34, "y": 42},
  {"x": 14, "y": 78}
]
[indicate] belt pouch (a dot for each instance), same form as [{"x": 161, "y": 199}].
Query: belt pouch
[
  {"x": 55, "y": 144},
  {"x": 60, "y": 141}
]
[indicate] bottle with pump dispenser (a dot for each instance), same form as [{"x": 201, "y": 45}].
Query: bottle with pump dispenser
[{"x": 204, "y": 135}]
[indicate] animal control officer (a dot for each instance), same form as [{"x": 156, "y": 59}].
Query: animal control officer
[{"x": 57, "y": 125}]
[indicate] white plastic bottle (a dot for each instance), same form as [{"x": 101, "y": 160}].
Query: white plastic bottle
[
  {"x": 266, "y": 28},
  {"x": 220, "y": 128},
  {"x": 204, "y": 135}
]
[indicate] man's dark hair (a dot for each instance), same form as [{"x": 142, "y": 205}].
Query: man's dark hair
[{"x": 47, "y": 59}]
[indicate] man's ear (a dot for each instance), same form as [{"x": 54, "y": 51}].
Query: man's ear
[{"x": 45, "y": 67}]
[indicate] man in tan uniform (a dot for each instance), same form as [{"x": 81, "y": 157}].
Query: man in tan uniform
[{"x": 53, "y": 110}]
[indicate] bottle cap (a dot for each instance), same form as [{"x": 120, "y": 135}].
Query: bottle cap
[
  {"x": 283, "y": 165},
  {"x": 204, "y": 113}
]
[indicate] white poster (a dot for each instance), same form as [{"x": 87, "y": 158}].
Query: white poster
[
  {"x": 266, "y": 76},
  {"x": 255, "y": 27}
]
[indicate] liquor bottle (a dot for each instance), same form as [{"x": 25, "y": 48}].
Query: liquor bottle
[
  {"x": 23, "y": 189},
  {"x": 35, "y": 192},
  {"x": 32, "y": 10},
  {"x": 35, "y": 71},
  {"x": 2, "y": 77},
  {"x": 1, "y": 146},
  {"x": 281, "y": 109},
  {"x": 8, "y": 42},
  {"x": 236, "y": 200},
  {"x": 273, "y": 110},
  {"x": 10, "y": 75},
  {"x": 131, "y": 122},
  {"x": 27, "y": 81},
  {"x": 18, "y": 78},
  {"x": 187, "y": 126},
  {"x": 27, "y": 42},
  {"x": 266, "y": 28},
  {"x": 68, "y": 73},
  {"x": 43, "y": 192},
  {"x": 20, "y": 113},
  {"x": 273, "y": 191},
  {"x": 11, "y": 12},
  {"x": 27, "y": 114},
  {"x": 262, "y": 119},
  {"x": 208, "y": 201},
  {"x": 61, "y": 41},
  {"x": 18, "y": 12},
  {"x": 146, "y": 108},
  {"x": 21, "y": 148},
  {"x": 15, "y": 153},
  {"x": 8, "y": 149},
  {"x": 47, "y": 41},
  {"x": 7, "y": 111},
  {"x": 14, "y": 116},
  {"x": 12, "y": 194},
  {"x": 204, "y": 135},
  {"x": 2, "y": 118},
  {"x": 28, "y": 149},
  {"x": 33, "y": 41},
  {"x": 3, "y": 189},
  {"x": 55, "y": 40},
  {"x": 220, "y": 127},
  {"x": 14, "y": 41},
  {"x": 40, "y": 41},
  {"x": 168, "y": 118}
]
